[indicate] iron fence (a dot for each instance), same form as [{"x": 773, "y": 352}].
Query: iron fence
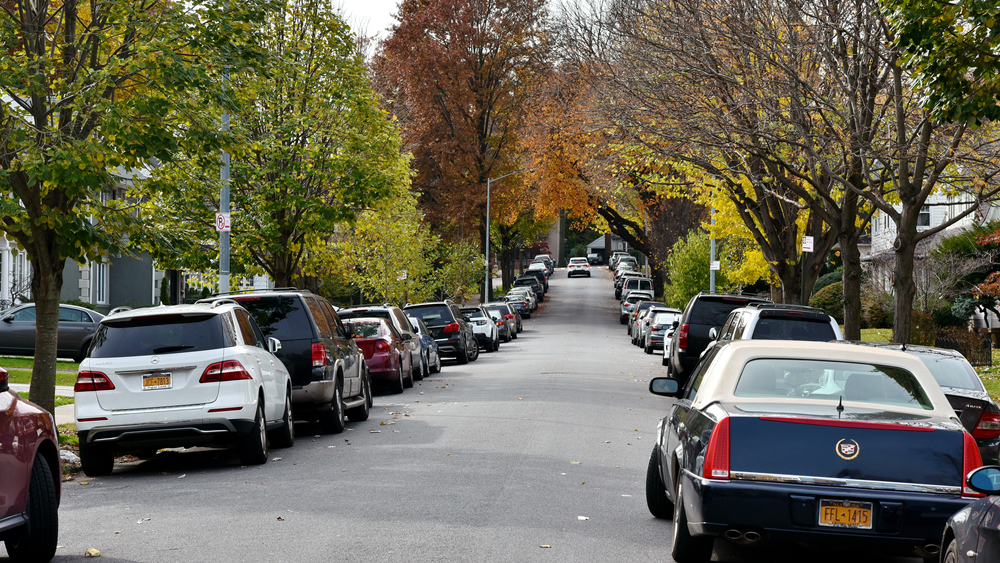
[{"x": 976, "y": 347}]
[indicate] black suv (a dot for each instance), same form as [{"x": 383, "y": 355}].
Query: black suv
[
  {"x": 542, "y": 277},
  {"x": 328, "y": 372},
  {"x": 704, "y": 312},
  {"x": 449, "y": 328}
]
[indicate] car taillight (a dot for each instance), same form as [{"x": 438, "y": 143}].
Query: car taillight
[
  {"x": 717, "y": 454},
  {"x": 499, "y": 322},
  {"x": 971, "y": 461},
  {"x": 318, "y": 354},
  {"x": 381, "y": 345},
  {"x": 508, "y": 316},
  {"x": 92, "y": 381},
  {"x": 452, "y": 327},
  {"x": 229, "y": 370},
  {"x": 988, "y": 426},
  {"x": 655, "y": 328},
  {"x": 682, "y": 338}
]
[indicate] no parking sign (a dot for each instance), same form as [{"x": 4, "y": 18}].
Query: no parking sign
[{"x": 223, "y": 222}]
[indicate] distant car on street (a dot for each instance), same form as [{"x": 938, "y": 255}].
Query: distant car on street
[
  {"x": 578, "y": 267},
  {"x": 594, "y": 259},
  {"x": 655, "y": 328},
  {"x": 428, "y": 343},
  {"x": 484, "y": 327},
  {"x": 77, "y": 326},
  {"x": 449, "y": 328},
  {"x": 384, "y": 351},
  {"x": 628, "y": 304}
]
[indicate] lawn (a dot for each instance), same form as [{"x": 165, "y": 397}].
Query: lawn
[
  {"x": 23, "y": 362},
  {"x": 60, "y": 401},
  {"x": 24, "y": 376},
  {"x": 19, "y": 368}
]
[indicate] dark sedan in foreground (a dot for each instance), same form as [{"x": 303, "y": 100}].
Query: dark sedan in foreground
[
  {"x": 811, "y": 443},
  {"x": 973, "y": 533}
]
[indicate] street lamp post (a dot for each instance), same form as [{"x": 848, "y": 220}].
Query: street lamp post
[{"x": 489, "y": 182}]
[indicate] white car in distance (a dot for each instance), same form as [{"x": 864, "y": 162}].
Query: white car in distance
[
  {"x": 578, "y": 267},
  {"x": 181, "y": 376}
]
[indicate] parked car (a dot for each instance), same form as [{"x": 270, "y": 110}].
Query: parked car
[
  {"x": 449, "y": 328},
  {"x": 628, "y": 304},
  {"x": 703, "y": 312},
  {"x": 503, "y": 325},
  {"x": 528, "y": 293},
  {"x": 808, "y": 442},
  {"x": 330, "y": 380},
  {"x": 417, "y": 365},
  {"x": 594, "y": 259},
  {"x": 32, "y": 477},
  {"x": 625, "y": 266},
  {"x": 76, "y": 329},
  {"x": 384, "y": 350},
  {"x": 970, "y": 535},
  {"x": 615, "y": 257},
  {"x": 973, "y": 405},
  {"x": 510, "y": 316},
  {"x": 620, "y": 282},
  {"x": 636, "y": 284},
  {"x": 660, "y": 323},
  {"x": 532, "y": 283},
  {"x": 640, "y": 308},
  {"x": 539, "y": 273},
  {"x": 578, "y": 267},
  {"x": 484, "y": 328},
  {"x": 178, "y": 377},
  {"x": 549, "y": 262},
  {"x": 520, "y": 303},
  {"x": 772, "y": 321},
  {"x": 644, "y": 322},
  {"x": 428, "y": 343}
]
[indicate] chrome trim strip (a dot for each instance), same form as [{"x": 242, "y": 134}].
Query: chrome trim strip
[
  {"x": 154, "y": 370},
  {"x": 848, "y": 483},
  {"x": 12, "y": 522}
]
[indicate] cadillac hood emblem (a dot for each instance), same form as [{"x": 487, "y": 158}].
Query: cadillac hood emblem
[
  {"x": 848, "y": 449},
  {"x": 154, "y": 360}
]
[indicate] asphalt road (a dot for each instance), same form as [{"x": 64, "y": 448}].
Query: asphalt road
[{"x": 536, "y": 452}]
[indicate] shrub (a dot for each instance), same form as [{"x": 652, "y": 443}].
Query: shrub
[
  {"x": 922, "y": 329},
  {"x": 944, "y": 317},
  {"x": 876, "y": 316},
  {"x": 79, "y": 303},
  {"x": 831, "y": 300},
  {"x": 827, "y": 279}
]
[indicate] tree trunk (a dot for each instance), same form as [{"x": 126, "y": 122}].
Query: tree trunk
[
  {"x": 902, "y": 281},
  {"x": 851, "y": 257},
  {"x": 46, "y": 285}
]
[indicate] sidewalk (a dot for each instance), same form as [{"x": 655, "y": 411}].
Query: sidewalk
[{"x": 64, "y": 414}]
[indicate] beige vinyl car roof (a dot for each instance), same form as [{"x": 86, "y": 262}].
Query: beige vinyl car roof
[{"x": 720, "y": 382}]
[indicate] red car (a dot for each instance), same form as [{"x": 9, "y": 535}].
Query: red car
[
  {"x": 31, "y": 478},
  {"x": 383, "y": 348}
]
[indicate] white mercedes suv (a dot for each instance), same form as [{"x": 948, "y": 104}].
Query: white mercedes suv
[{"x": 181, "y": 376}]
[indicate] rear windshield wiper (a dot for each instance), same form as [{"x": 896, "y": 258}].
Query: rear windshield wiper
[{"x": 166, "y": 349}]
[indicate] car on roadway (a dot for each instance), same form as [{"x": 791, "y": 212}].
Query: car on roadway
[
  {"x": 811, "y": 443},
  {"x": 32, "y": 477},
  {"x": 970, "y": 535},
  {"x": 775, "y": 321},
  {"x": 76, "y": 329},
  {"x": 503, "y": 324},
  {"x": 973, "y": 405},
  {"x": 384, "y": 351},
  {"x": 594, "y": 259},
  {"x": 484, "y": 328},
  {"x": 703, "y": 312},
  {"x": 509, "y": 315},
  {"x": 532, "y": 283},
  {"x": 449, "y": 328},
  {"x": 639, "y": 310},
  {"x": 330, "y": 379},
  {"x": 659, "y": 324},
  {"x": 548, "y": 261},
  {"x": 615, "y": 256},
  {"x": 178, "y": 377},
  {"x": 520, "y": 303},
  {"x": 417, "y": 364},
  {"x": 619, "y": 282},
  {"x": 578, "y": 267},
  {"x": 539, "y": 273},
  {"x": 636, "y": 284},
  {"x": 529, "y": 296},
  {"x": 428, "y": 344},
  {"x": 627, "y": 305},
  {"x": 625, "y": 266}
]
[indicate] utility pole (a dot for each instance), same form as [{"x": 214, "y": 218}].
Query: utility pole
[
  {"x": 224, "y": 202},
  {"x": 488, "y": 281},
  {"x": 711, "y": 256}
]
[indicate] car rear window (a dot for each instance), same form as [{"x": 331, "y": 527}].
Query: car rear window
[
  {"x": 713, "y": 312},
  {"x": 821, "y": 379},
  {"x": 375, "y": 313},
  {"x": 167, "y": 334},
  {"x": 278, "y": 316},
  {"x": 951, "y": 371},
  {"x": 790, "y": 328},
  {"x": 665, "y": 318},
  {"x": 525, "y": 282},
  {"x": 432, "y": 315},
  {"x": 474, "y": 313},
  {"x": 363, "y": 328}
]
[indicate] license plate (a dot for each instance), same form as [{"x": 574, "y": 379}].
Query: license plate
[
  {"x": 845, "y": 514},
  {"x": 156, "y": 381}
]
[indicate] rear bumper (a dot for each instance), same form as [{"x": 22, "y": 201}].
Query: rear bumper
[
  {"x": 902, "y": 522},
  {"x": 189, "y": 433},
  {"x": 382, "y": 368},
  {"x": 315, "y": 393},
  {"x": 989, "y": 450},
  {"x": 448, "y": 347}
]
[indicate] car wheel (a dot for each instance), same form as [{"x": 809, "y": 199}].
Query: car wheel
[
  {"x": 425, "y": 369},
  {"x": 360, "y": 413},
  {"x": 96, "y": 460},
  {"x": 648, "y": 348},
  {"x": 253, "y": 447},
  {"x": 36, "y": 540},
  {"x": 398, "y": 385},
  {"x": 951, "y": 554},
  {"x": 462, "y": 357},
  {"x": 332, "y": 421},
  {"x": 418, "y": 370},
  {"x": 622, "y": 319},
  {"x": 527, "y": 315},
  {"x": 513, "y": 335},
  {"x": 656, "y": 493},
  {"x": 436, "y": 368},
  {"x": 475, "y": 351},
  {"x": 686, "y": 548},
  {"x": 284, "y": 437},
  {"x": 408, "y": 380},
  {"x": 496, "y": 345},
  {"x": 665, "y": 361}
]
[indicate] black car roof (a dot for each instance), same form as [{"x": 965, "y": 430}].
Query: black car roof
[{"x": 914, "y": 348}]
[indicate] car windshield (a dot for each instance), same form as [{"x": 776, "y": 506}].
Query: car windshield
[
  {"x": 432, "y": 315},
  {"x": 822, "y": 379},
  {"x": 476, "y": 313},
  {"x": 951, "y": 371},
  {"x": 345, "y": 314},
  {"x": 665, "y": 318},
  {"x": 525, "y": 282},
  {"x": 790, "y": 328},
  {"x": 165, "y": 334},
  {"x": 279, "y": 316},
  {"x": 363, "y": 328}
]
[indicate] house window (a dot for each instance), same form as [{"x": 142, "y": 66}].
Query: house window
[
  {"x": 99, "y": 275},
  {"x": 924, "y": 218}
]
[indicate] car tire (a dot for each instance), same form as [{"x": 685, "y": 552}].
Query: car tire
[
  {"x": 418, "y": 370},
  {"x": 408, "y": 380},
  {"x": 648, "y": 349},
  {"x": 513, "y": 335},
  {"x": 253, "y": 447},
  {"x": 398, "y": 385},
  {"x": 436, "y": 368},
  {"x": 462, "y": 357},
  {"x": 284, "y": 437},
  {"x": 622, "y": 319},
  {"x": 656, "y": 493},
  {"x": 96, "y": 460},
  {"x": 665, "y": 361},
  {"x": 496, "y": 344},
  {"x": 360, "y": 413},
  {"x": 36, "y": 540},
  {"x": 950, "y": 554},
  {"x": 332, "y": 421},
  {"x": 684, "y": 547},
  {"x": 527, "y": 315},
  {"x": 475, "y": 351}
]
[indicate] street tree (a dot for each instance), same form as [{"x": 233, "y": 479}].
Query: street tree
[{"x": 92, "y": 93}]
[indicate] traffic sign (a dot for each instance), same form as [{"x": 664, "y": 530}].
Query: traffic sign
[
  {"x": 714, "y": 265},
  {"x": 807, "y": 244},
  {"x": 223, "y": 222}
]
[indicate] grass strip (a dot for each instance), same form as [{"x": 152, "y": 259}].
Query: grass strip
[{"x": 24, "y": 376}]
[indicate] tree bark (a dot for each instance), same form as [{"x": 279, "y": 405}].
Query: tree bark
[
  {"x": 903, "y": 286},
  {"x": 46, "y": 286},
  {"x": 851, "y": 257}
]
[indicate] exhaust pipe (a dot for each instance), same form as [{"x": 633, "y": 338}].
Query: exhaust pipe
[
  {"x": 733, "y": 534},
  {"x": 932, "y": 548},
  {"x": 751, "y": 536},
  {"x": 742, "y": 538}
]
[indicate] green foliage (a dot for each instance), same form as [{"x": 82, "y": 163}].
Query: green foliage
[
  {"x": 827, "y": 279},
  {"x": 80, "y": 303},
  {"x": 944, "y": 317},
  {"x": 165, "y": 291},
  {"x": 459, "y": 271},
  {"x": 688, "y": 268},
  {"x": 922, "y": 330},
  {"x": 874, "y": 315},
  {"x": 967, "y": 305},
  {"x": 831, "y": 300}
]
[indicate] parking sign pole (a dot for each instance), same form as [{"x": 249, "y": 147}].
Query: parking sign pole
[
  {"x": 711, "y": 258},
  {"x": 224, "y": 202}
]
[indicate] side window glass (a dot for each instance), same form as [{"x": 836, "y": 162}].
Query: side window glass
[
  {"x": 243, "y": 320},
  {"x": 727, "y": 329},
  {"x": 404, "y": 322},
  {"x": 699, "y": 374},
  {"x": 322, "y": 322},
  {"x": 26, "y": 314},
  {"x": 738, "y": 333},
  {"x": 338, "y": 326},
  {"x": 257, "y": 333},
  {"x": 229, "y": 331}
]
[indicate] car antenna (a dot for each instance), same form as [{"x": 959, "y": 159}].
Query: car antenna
[
  {"x": 903, "y": 347},
  {"x": 840, "y": 407}
]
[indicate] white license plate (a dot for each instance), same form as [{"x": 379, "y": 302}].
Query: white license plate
[{"x": 156, "y": 381}]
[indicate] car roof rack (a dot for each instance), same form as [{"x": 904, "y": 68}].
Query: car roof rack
[
  {"x": 784, "y": 306},
  {"x": 216, "y": 302},
  {"x": 737, "y": 294},
  {"x": 120, "y": 309},
  {"x": 262, "y": 289}
]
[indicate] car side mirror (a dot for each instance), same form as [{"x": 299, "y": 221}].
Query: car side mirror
[
  {"x": 4, "y": 380},
  {"x": 407, "y": 336},
  {"x": 985, "y": 480},
  {"x": 676, "y": 324},
  {"x": 8, "y": 319},
  {"x": 466, "y": 318},
  {"x": 665, "y": 386},
  {"x": 713, "y": 334},
  {"x": 273, "y": 345}
]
